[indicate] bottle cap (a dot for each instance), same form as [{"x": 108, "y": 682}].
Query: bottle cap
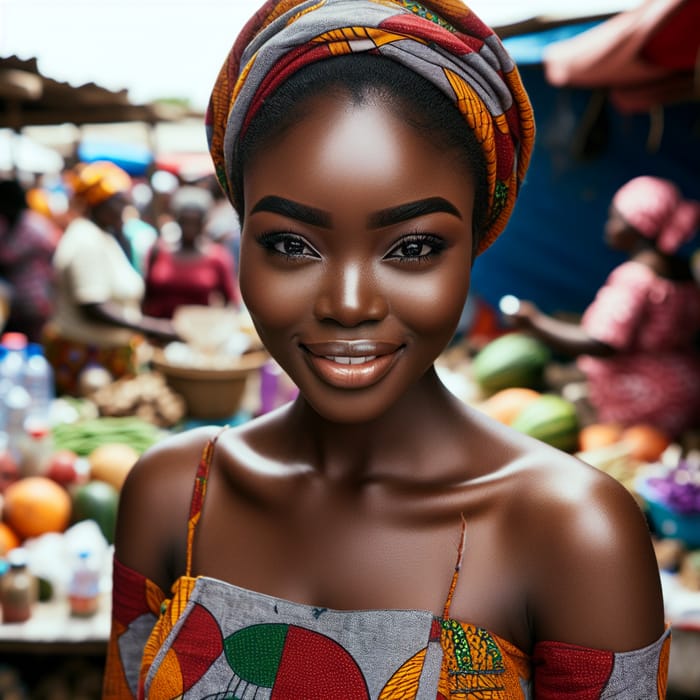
[
  {"x": 17, "y": 558},
  {"x": 34, "y": 349},
  {"x": 14, "y": 341}
]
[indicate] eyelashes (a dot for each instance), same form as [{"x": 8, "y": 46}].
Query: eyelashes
[
  {"x": 411, "y": 248},
  {"x": 288, "y": 245},
  {"x": 417, "y": 247}
]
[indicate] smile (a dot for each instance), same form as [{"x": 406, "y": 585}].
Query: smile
[
  {"x": 346, "y": 360},
  {"x": 352, "y": 364}
]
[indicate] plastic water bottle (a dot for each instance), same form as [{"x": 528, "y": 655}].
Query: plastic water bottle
[
  {"x": 12, "y": 356},
  {"x": 16, "y": 404},
  {"x": 39, "y": 382},
  {"x": 15, "y": 353},
  {"x": 84, "y": 587}
]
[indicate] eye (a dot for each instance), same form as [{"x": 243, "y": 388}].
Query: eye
[
  {"x": 289, "y": 245},
  {"x": 416, "y": 248}
]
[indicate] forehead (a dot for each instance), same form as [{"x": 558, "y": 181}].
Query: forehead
[{"x": 361, "y": 155}]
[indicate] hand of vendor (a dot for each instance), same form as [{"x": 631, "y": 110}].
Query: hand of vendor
[
  {"x": 159, "y": 330},
  {"x": 519, "y": 313},
  {"x": 155, "y": 329}
]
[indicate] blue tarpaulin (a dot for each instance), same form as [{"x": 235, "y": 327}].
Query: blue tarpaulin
[{"x": 553, "y": 251}]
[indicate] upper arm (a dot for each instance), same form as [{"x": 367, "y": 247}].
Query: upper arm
[
  {"x": 595, "y": 580},
  {"x": 614, "y": 316},
  {"x": 154, "y": 505}
]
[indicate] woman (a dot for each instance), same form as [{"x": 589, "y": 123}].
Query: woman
[
  {"x": 27, "y": 244},
  {"x": 375, "y": 538},
  {"x": 97, "y": 319},
  {"x": 196, "y": 271},
  {"x": 638, "y": 340}
]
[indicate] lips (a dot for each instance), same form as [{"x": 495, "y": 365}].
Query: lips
[{"x": 352, "y": 364}]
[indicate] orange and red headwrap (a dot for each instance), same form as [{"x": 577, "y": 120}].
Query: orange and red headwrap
[
  {"x": 98, "y": 181},
  {"x": 441, "y": 40}
]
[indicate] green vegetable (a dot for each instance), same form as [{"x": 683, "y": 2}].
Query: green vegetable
[
  {"x": 512, "y": 360},
  {"x": 552, "y": 419},
  {"x": 98, "y": 501},
  {"x": 83, "y": 436}
]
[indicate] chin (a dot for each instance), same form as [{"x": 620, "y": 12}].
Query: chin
[{"x": 349, "y": 410}]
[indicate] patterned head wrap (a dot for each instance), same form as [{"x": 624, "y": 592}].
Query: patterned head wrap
[
  {"x": 97, "y": 182},
  {"x": 656, "y": 209},
  {"x": 441, "y": 40}
]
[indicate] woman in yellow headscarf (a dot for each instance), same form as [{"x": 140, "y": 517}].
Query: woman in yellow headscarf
[{"x": 97, "y": 319}]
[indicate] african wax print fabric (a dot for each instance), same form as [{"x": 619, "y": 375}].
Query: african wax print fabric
[
  {"x": 212, "y": 639},
  {"x": 654, "y": 377},
  {"x": 441, "y": 40}
]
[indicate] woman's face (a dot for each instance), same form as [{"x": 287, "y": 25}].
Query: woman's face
[
  {"x": 109, "y": 214},
  {"x": 355, "y": 255},
  {"x": 191, "y": 221}
]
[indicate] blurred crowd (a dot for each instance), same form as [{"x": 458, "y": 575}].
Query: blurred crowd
[{"x": 96, "y": 262}]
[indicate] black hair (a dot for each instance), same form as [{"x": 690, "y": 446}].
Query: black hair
[
  {"x": 13, "y": 200},
  {"x": 364, "y": 78}
]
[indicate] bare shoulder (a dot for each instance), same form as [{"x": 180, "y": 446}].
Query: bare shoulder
[
  {"x": 154, "y": 505},
  {"x": 592, "y": 578}
]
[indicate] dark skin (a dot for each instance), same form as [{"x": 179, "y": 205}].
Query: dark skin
[
  {"x": 570, "y": 338},
  {"x": 108, "y": 216},
  {"x": 352, "y": 496}
]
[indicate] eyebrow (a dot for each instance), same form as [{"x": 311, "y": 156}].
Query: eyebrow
[
  {"x": 385, "y": 217},
  {"x": 411, "y": 210},
  {"x": 293, "y": 210}
]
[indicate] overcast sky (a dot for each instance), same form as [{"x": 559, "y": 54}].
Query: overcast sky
[{"x": 162, "y": 48}]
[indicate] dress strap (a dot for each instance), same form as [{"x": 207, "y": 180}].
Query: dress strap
[
  {"x": 198, "y": 493},
  {"x": 458, "y": 567}
]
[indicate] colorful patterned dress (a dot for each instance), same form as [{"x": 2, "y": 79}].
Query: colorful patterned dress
[{"x": 215, "y": 640}]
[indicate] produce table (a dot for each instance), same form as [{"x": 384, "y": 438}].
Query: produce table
[{"x": 52, "y": 630}]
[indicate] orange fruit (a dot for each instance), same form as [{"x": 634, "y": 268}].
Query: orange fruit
[
  {"x": 505, "y": 404},
  {"x": 596, "y": 435},
  {"x": 8, "y": 539},
  {"x": 35, "y": 505},
  {"x": 646, "y": 442}
]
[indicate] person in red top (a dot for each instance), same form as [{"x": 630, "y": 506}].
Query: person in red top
[
  {"x": 194, "y": 270},
  {"x": 637, "y": 340}
]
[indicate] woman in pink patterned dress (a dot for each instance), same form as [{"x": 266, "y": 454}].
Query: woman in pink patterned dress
[{"x": 638, "y": 340}]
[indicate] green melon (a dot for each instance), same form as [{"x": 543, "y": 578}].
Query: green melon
[
  {"x": 98, "y": 501},
  {"x": 512, "y": 360},
  {"x": 551, "y": 419}
]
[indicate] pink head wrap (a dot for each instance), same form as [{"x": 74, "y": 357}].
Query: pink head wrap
[{"x": 656, "y": 209}]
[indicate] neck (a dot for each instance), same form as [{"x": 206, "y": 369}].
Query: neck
[{"x": 393, "y": 446}]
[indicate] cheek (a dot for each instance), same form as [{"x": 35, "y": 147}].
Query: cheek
[
  {"x": 432, "y": 305},
  {"x": 274, "y": 299}
]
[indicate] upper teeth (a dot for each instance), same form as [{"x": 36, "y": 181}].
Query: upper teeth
[{"x": 344, "y": 360}]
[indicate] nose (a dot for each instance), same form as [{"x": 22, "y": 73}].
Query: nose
[{"x": 350, "y": 296}]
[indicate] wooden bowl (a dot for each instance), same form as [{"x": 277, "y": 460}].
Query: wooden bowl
[{"x": 210, "y": 393}]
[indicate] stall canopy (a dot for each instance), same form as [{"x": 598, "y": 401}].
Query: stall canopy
[{"x": 29, "y": 98}]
